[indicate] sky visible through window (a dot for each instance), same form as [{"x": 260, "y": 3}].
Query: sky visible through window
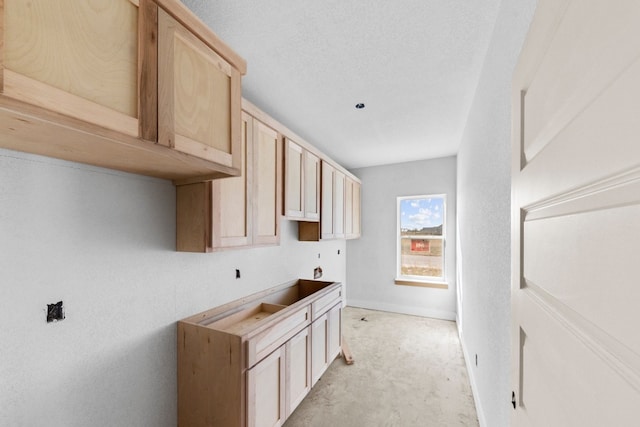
[{"x": 416, "y": 214}]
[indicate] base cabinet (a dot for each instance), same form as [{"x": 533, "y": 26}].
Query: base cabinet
[{"x": 250, "y": 363}]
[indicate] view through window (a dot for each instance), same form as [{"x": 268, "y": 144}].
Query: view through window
[{"x": 421, "y": 237}]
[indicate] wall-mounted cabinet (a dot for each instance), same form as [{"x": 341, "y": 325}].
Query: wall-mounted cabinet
[
  {"x": 240, "y": 211},
  {"x": 340, "y": 208},
  {"x": 302, "y": 183},
  {"x": 96, "y": 100},
  {"x": 250, "y": 362}
]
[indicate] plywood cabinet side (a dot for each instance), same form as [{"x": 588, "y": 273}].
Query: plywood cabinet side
[
  {"x": 211, "y": 386},
  {"x": 194, "y": 217}
]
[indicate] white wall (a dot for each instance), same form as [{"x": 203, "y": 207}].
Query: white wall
[
  {"x": 371, "y": 266},
  {"x": 484, "y": 197},
  {"x": 103, "y": 242}
]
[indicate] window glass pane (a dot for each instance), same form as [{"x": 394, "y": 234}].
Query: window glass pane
[
  {"x": 421, "y": 228},
  {"x": 421, "y": 257},
  {"x": 421, "y": 216}
]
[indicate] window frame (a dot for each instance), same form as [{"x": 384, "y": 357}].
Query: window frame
[{"x": 439, "y": 282}]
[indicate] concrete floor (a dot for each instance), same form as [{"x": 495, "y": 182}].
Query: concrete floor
[{"x": 408, "y": 371}]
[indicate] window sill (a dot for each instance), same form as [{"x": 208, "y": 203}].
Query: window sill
[{"x": 422, "y": 283}]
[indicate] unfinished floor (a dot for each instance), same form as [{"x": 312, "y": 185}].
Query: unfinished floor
[{"x": 408, "y": 371}]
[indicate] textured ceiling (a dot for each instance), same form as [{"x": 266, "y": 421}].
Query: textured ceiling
[{"x": 415, "y": 64}]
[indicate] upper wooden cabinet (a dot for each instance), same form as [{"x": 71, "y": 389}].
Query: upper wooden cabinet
[
  {"x": 199, "y": 96},
  {"x": 238, "y": 211},
  {"x": 302, "y": 183},
  {"x": 79, "y": 81},
  {"x": 340, "y": 208}
]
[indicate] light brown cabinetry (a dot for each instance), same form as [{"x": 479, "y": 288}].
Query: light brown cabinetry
[
  {"x": 199, "y": 96},
  {"x": 249, "y": 362},
  {"x": 278, "y": 383},
  {"x": 302, "y": 183},
  {"x": 93, "y": 75},
  {"x": 266, "y": 392},
  {"x": 340, "y": 208},
  {"x": 298, "y": 373},
  {"x": 352, "y": 209},
  {"x": 239, "y": 211},
  {"x": 95, "y": 100}
]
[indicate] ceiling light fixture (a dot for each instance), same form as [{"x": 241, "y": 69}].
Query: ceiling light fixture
[{"x": 360, "y": 106}]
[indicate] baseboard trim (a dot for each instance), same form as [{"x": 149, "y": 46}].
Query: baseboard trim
[
  {"x": 402, "y": 309},
  {"x": 472, "y": 380}
]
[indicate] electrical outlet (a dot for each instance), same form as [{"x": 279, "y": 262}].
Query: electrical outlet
[{"x": 55, "y": 312}]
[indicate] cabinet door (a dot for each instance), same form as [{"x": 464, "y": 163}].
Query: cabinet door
[
  {"x": 266, "y": 391},
  {"x": 327, "y": 224},
  {"x": 352, "y": 209},
  {"x": 294, "y": 181},
  {"x": 319, "y": 360},
  {"x": 231, "y": 198},
  {"x": 338, "y": 205},
  {"x": 334, "y": 334},
  {"x": 355, "y": 211},
  {"x": 199, "y": 97},
  {"x": 267, "y": 184},
  {"x": 311, "y": 186},
  {"x": 298, "y": 374},
  {"x": 348, "y": 208},
  {"x": 82, "y": 59}
]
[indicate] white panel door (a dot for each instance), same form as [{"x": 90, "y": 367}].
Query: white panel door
[{"x": 576, "y": 217}]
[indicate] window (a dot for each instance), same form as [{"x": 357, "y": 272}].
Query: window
[{"x": 421, "y": 241}]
